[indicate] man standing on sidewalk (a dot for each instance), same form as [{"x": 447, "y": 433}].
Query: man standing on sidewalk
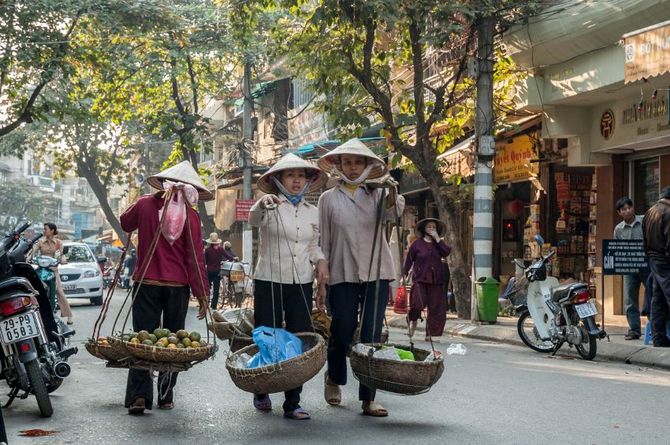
[
  {"x": 656, "y": 226},
  {"x": 630, "y": 229}
]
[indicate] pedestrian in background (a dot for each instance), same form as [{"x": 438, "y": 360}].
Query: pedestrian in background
[
  {"x": 630, "y": 228},
  {"x": 51, "y": 246},
  {"x": 165, "y": 278},
  {"x": 348, "y": 218},
  {"x": 656, "y": 229},
  {"x": 129, "y": 268},
  {"x": 214, "y": 254},
  {"x": 424, "y": 259}
]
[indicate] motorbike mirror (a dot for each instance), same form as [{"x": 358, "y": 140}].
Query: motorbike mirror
[
  {"x": 539, "y": 239},
  {"x": 519, "y": 263},
  {"x": 102, "y": 259}
]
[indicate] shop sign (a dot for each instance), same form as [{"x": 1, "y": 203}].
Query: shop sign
[
  {"x": 646, "y": 109},
  {"x": 513, "y": 161},
  {"x": 242, "y": 207},
  {"x": 607, "y": 124},
  {"x": 622, "y": 257},
  {"x": 647, "y": 52}
]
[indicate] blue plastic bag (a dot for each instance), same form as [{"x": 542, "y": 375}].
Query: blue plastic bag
[{"x": 274, "y": 345}]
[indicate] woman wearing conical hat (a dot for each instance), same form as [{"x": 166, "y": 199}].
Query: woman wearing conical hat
[
  {"x": 288, "y": 256},
  {"x": 165, "y": 278},
  {"x": 347, "y": 218}
]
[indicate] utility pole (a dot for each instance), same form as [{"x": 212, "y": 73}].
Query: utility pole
[
  {"x": 484, "y": 124},
  {"x": 247, "y": 143}
]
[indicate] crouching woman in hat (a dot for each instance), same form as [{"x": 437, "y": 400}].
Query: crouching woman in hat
[
  {"x": 347, "y": 218},
  {"x": 165, "y": 277},
  {"x": 424, "y": 258},
  {"x": 288, "y": 255}
]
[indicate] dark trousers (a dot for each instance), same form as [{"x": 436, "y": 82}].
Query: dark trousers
[
  {"x": 214, "y": 280},
  {"x": 631, "y": 293},
  {"x": 292, "y": 304},
  {"x": 152, "y": 304},
  {"x": 431, "y": 296},
  {"x": 345, "y": 301},
  {"x": 660, "y": 302}
]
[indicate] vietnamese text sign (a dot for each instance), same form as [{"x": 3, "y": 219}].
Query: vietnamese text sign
[
  {"x": 513, "y": 161},
  {"x": 647, "y": 53},
  {"x": 242, "y": 207},
  {"x": 623, "y": 257}
]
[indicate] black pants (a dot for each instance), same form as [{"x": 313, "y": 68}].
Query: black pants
[
  {"x": 152, "y": 304},
  {"x": 214, "y": 280},
  {"x": 292, "y": 304},
  {"x": 660, "y": 302},
  {"x": 345, "y": 300}
]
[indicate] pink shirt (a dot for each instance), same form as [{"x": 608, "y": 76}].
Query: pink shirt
[{"x": 174, "y": 263}]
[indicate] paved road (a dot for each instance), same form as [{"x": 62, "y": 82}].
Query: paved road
[{"x": 496, "y": 393}]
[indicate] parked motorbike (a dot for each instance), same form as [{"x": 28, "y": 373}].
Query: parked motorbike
[
  {"x": 47, "y": 275},
  {"x": 34, "y": 342},
  {"x": 235, "y": 277},
  {"x": 554, "y": 315},
  {"x": 107, "y": 277}
]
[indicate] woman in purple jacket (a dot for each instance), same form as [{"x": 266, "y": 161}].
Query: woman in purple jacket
[{"x": 424, "y": 258}]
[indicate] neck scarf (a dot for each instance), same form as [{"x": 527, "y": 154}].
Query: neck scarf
[
  {"x": 358, "y": 181},
  {"x": 293, "y": 199}
]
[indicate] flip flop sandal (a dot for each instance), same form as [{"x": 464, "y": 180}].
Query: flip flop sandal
[
  {"x": 264, "y": 404},
  {"x": 332, "y": 392},
  {"x": 297, "y": 414},
  {"x": 138, "y": 406},
  {"x": 169, "y": 405},
  {"x": 374, "y": 409}
]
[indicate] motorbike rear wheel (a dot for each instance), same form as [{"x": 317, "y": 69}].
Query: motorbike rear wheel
[
  {"x": 588, "y": 347},
  {"x": 39, "y": 388},
  {"x": 530, "y": 336}
]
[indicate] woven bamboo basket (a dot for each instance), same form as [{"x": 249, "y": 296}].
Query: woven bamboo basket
[
  {"x": 223, "y": 330},
  {"x": 165, "y": 355},
  {"x": 115, "y": 351},
  {"x": 284, "y": 375},
  {"x": 400, "y": 377},
  {"x": 239, "y": 341}
]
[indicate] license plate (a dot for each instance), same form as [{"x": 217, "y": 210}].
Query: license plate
[
  {"x": 69, "y": 286},
  {"x": 586, "y": 310},
  {"x": 19, "y": 328}
]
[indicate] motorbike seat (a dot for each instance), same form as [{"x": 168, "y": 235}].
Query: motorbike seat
[
  {"x": 16, "y": 283},
  {"x": 564, "y": 291}
]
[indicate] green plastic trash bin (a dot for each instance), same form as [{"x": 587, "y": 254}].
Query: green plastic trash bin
[{"x": 487, "y": 299}]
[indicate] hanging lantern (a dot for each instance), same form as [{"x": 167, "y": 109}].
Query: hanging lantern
[{"x": 515, "y": 208}]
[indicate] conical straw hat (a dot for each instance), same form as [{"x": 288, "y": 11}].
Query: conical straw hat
[
  {"x": 288, "y": 162},
  {"x": 353, "y": 147},
  {"x": 441, "y": 227},
  {"x": 182, "y": 172}
]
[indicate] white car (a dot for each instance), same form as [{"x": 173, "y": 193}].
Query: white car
[{"x": 80, "y": 276}]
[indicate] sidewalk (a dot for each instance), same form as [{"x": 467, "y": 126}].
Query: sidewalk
[{"x": 617, "y": 349}]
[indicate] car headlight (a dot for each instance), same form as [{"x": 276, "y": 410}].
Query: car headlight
[{"x": 91, "y": 273}]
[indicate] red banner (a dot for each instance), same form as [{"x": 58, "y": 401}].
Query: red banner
[{"x": 242, "y": 207}]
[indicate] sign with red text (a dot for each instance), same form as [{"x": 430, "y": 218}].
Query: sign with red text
[{"x": 242, "y": 207}]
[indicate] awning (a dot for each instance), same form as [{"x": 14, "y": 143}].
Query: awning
[
  {"x": 647, "y": 52},
  {"x": 261, "y": 90}
]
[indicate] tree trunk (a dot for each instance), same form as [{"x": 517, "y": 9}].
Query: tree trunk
[
  {"x": 101, "y": 194},
  {"x": 459, "y": 264}
]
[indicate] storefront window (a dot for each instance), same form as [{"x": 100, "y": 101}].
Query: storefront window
[{"x": 647, "y": 184}]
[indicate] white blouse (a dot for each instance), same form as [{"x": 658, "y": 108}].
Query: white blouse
[{"x": 288, "y": 246}]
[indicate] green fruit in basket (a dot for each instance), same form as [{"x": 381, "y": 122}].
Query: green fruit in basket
[
  {"x": 159, "y": 345},
  {"x": 163, "y": 341},
  {"x": 173, "y": 340},
  {"x": 195, "y": 344},
  {"x": 143, "y": 335},
  {"x": 194, "y": 336},
  {"x": 133, "y": 335},
  {"x": 186, "y": 342},
  {"x": 180, "y": 346},
  {"x": 202, "y": 343},
  {"x": 147, "y": 342},
  {"x": 159, "y": 333},
  {"x": 125, "y": 337},
  {"x": 153, "y": 338},
  {"x": 182, "y": 333}
]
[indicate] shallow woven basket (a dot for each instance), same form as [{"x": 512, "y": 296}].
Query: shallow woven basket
[
  {"x": 284, "y": 375},
  {"x": 400, "y": 377},
  {"x": 165, "y": 355},
  {"x": 114, "y": 352},
  {"x": 238, "y": 342},
  {"x": 223, "y": 330}
]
